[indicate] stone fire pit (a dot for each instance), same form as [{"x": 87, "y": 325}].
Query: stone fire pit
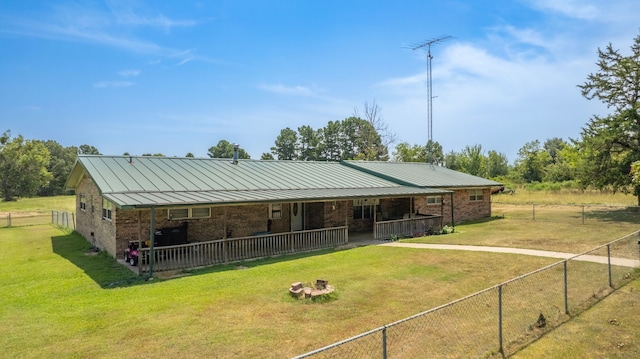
[{"x": 321, "y": 287}]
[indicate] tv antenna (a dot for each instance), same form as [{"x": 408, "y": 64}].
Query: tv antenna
[{"x": 430, "y": 96}]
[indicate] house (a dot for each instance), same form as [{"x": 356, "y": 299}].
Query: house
[{"x": 201, "y": 211}]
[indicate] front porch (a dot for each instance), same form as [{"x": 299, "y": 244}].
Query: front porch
[{"x": 229, "y": 250}]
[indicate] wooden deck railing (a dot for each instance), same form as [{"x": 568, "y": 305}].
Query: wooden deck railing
[
  {"x": 228, "y": 250},
  {"x": 410, "y": 227}
]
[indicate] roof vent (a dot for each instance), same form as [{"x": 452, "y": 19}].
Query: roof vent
[{"x": 235, "y": 153}]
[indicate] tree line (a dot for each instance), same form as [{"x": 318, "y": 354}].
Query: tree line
[{"x": 606, "y": 156}]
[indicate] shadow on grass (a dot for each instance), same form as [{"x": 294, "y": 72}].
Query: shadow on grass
[
  {"x": 108, "y": 273},
  {"x": 258, "y": 262},
  {"x": 629, "y": 215},
  {"x": 100, "y": 266}
]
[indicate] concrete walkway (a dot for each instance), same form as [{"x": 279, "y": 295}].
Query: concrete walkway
[{"x": 529, "y": 252}]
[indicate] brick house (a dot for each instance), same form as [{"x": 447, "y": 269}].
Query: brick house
[{"x": 234, "y": 205}]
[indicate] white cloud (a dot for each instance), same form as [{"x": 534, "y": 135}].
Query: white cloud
[
  {"x": 129, "y": 73},
  {"x": 579, "y": 9},
  {"x": 185, "y": 60},
  {"x": 287, "y": 90},
  {"x": 103, "y": 84},
  {"x": 126, "y": 13}
]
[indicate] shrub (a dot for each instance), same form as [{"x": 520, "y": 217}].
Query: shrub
[{"x": 446, "y": 229}]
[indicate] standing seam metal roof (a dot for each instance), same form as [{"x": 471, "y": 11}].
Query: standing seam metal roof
[
  {"x": 421, "y": 174},
  {"x": 148, "y": 181}
]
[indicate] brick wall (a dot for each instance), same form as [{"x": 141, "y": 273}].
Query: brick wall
[
  {"x": 90, "y": 219},
  {"x": 245, "y": 220},
  {"x": 466, "y": 210}
]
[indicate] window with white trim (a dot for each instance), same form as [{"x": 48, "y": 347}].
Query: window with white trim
[
  {"x": 476, "y": 195},
  {"x": 275, "y": 211},
  {"x": 364, "y": 208},
  {"x": 434, "y": 200},
  {"x": 189, "y": 213},
  {"x": 83, "y": 202},
  {"x": 107, "y": 208}
]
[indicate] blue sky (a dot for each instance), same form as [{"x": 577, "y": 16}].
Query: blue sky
[{"x": 174, "y": 77}]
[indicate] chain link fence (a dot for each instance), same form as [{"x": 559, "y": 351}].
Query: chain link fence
[
  {"x": 22, "y": 219},
  {"x": 64, "y": 219},
  {"x": 500, "y": 320},
  {"x": 567, "y": 213}
]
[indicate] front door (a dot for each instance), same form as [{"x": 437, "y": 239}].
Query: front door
[{"x": 297, "y": 217}]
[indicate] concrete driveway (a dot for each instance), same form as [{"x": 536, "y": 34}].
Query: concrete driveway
[{"x": 529, "y": 252}]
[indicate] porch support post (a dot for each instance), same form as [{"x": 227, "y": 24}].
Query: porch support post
[
  {"x": 375, "y": 220},
  {"x": 453, "y": 223},
  {"x": 224, "y": 224},
  {"x": 152, "y": 238}
]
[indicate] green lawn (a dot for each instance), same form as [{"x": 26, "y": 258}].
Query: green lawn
[
  {"x": 40, "y": 204},
  {"x": 60, "y": 300},
  {"x": 610, "y": 329}
]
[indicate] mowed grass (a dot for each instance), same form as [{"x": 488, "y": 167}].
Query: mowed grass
[
  {"x": 60, "y": 301},
  {"x": 39, "y": 204},
  {"x": 609, "y": 329},
  {"x": 566, "y": 196},
  {"x": 553, "y": 225}
]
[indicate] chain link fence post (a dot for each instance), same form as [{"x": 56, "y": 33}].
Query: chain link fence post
[
  {"x": 534, "y": 211},
  {"x": 384, "y": 342},
  {"x": 566, "y": 288},
  {"x": 609, "y": 264},
  {"x": 501, "y": 347}
]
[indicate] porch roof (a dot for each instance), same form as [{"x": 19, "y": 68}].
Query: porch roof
[
  {"x": 421, "y": 174},
  {"x": 168, "y": 181},
  {"x": 170, "y": 198}
]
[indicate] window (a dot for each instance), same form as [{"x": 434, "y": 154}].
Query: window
[
  {"x": 83, "y": 202},
  {"x": 275, "y": 211},
  {"x": 364, "y": 208},
  {"x": 475, "y": 195},
  {"x": 189, "y": 213},
  {"x": 434, "y": 200},
  {"x": 107, "y": 208}
]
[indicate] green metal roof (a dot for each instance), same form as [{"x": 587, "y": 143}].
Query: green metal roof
[
  {"x": 165, "y": 181},
  {"x": 421, "y": 174}
]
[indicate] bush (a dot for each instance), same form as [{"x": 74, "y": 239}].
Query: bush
[{"x": 447, "y": 229}]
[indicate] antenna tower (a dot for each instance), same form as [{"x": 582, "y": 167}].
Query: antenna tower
[{"x": 430, "y": 96}]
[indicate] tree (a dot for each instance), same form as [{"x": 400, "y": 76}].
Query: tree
[
  {"x": 434, "y": 153},
  {"x": 331, "y": 141},
  {"x": 452, "y": 161},
  {"x": 497, "y": 164},
  {"x": 23, "y": 166},
  {"x": 564, "y": 163},
  {"x": 410, "y": 153},
  {"x": 224, "y": 149},
  {"x": 531, "y": 161},
  {"x": 308, "y": 144},
  {"x": 611, "y": 144},
  {"x": 372, "y": 114},
  {"x": 553, "y": 146},
  {"x": 416, "y": 153},
  {"x": 362, "y": 141},
  {"x": 286, "y": 145},
  {"x": 473, "y": 161},
  {"x": 189, "y": 155},
  {"x": 60, "y": 165},
  {"x": 267, "y": 156},
  {"x": 88, "y": 150}
]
